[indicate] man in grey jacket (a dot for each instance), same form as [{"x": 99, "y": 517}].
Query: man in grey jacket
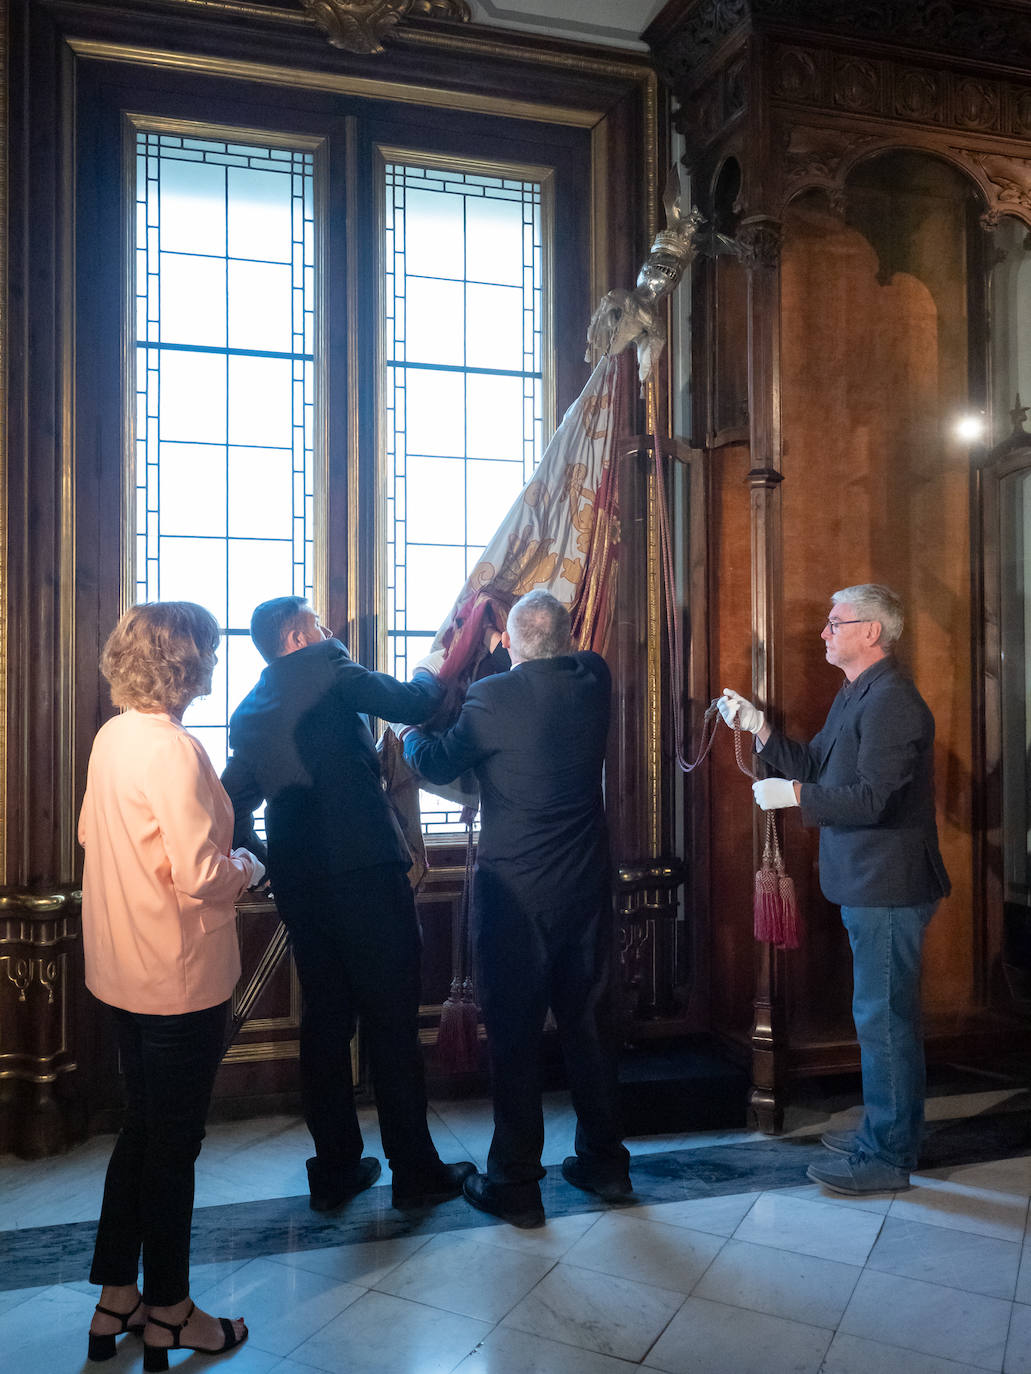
[{"x": 867, "y": 780}]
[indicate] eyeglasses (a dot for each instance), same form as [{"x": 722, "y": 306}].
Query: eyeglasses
[{"x": 835, "y": 625}]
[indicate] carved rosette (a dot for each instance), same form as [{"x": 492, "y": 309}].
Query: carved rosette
[
  {"x": 759, "y": 241},
  {"x": 360, "y": 25},
  {"x": 857, "y": 85}
]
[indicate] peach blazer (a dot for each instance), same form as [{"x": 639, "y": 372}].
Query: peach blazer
[{"x": 159, "y": 881}]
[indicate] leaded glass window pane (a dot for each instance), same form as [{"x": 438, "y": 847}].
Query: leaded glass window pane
[
  {"x": 225, "y": 304},
  {"x": 464, "y": 322}
]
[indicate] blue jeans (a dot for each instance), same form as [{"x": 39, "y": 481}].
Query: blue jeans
[{"x": 887, "y": 943}]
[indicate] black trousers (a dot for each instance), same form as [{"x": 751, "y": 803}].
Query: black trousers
[
  {"x": 169, "y": 1063},
  {"x": 357, "y": 949},
  {"x": 527, "y": 959}
]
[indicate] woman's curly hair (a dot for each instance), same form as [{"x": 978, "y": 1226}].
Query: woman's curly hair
[{"x": 160, "y": 655}]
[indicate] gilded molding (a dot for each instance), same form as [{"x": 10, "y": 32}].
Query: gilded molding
[
  {"x": 370, "y": 88},
  {"x": 4, "y": 474},
  {"x": 360, "y": 25}
]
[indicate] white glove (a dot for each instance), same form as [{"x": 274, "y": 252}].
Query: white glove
[
  {"x": 431, "y": 663},
  {"x": 738, "y": 712},
  {"x": 771, "y": 794},
  {"x": 256, "y": 866}
]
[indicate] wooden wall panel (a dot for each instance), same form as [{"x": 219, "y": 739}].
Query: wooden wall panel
[{"x": 875, "y": 490}]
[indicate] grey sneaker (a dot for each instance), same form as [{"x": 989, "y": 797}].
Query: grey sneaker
[
  {"x": 859, "y": 1174},
  {"x": 840, "y": 1142}
]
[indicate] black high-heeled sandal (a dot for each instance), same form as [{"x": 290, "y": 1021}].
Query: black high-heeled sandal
[
  {"x": 155, "y": 1357},
  {"x": 103, "y": 1347}
]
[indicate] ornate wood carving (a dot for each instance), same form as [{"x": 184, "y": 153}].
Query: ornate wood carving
[
  {"x": 815, "y": 157},
  {"x": 900, "y": 91},
  {"x": 39, "y": 982},
  {"x": 759, "y": 240},
  {"x": 856, "y": 85},
  {"x": 360, "y": 25},
  {"x": 990, "y": 30},
  {"x": 920, "y": 95},
  {"x": 1009, "y": 176}
]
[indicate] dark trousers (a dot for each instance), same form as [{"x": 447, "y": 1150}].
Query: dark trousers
[
  {"x": 528, "y": 959},
  {"x": 169, "y": 1063},
  {"x": 357, "y": 951}
]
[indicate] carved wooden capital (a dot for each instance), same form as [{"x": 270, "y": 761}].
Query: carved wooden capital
[
  {"x": 759, "y": 239},
  {"x": 360, "y": 25}
]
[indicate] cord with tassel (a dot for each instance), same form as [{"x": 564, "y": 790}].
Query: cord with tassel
[{"x": 776, "y": 914}]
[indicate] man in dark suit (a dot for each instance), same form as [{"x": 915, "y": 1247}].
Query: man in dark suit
[
  {"x": 542, "y": 918},
  {"x": 867, "y": 780},
  {"x": 338, "y": 866}
]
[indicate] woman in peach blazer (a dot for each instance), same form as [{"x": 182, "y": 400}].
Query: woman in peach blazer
[{"x": 159, "y": 936}]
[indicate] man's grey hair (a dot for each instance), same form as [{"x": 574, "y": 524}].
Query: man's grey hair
[
  {"x": 538, "y": 626},
  {"x": 872, "y": 601}
]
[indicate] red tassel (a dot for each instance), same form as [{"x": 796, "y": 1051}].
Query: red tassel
[
  {"x": 458, "y": 1046},
  {"x": 791, "y": 925},
  {"x": 776, "y": 906},
  {"x": 767, "y": 904}
]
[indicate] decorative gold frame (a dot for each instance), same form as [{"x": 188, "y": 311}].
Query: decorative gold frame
[{"x": 4, "y": 471}]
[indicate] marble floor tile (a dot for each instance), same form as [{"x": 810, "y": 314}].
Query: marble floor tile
[
  {"x": 282, "y": 1306},
  {"x": 718, "y": 1339},
  {"x": 928, "y": 1317},
  {"x": 553, "y": 1239},
  {"x": 1018, "y": 1344},
  {"x": 1008, "y": 1176},
  {"x": 812, "y": 1192},
  {"x": 595, "y": 1312},
  {"x": 938, "y": 1254},
  {"x": 14, "y": 1296},
  {"x": 1023, "y": 1291},
  {"x": 855, "y": 1355},
  {"x": 48, "y": 1332},
  {"x": 462, "y": 1275},
  {"x": 780, "y": 1283},
  {"x": 810, "y": 1228},
  {"x": 718, "y": 1216},
  {"x": 941, "y": 1202},
  {"x": 507, "y": 1351},
  {"x": 380, "y": 1334},
  {"x": 646, "y": 1251},
  {"x": 363, "y": 1263}
]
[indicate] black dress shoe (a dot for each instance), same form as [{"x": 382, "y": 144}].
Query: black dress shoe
[
  {"x": 331, "y": 1187},
  {"x": 427, "y": 1186},
  {"x": 518, "y": 1204},
  {"x": 610, "y": 1187}
]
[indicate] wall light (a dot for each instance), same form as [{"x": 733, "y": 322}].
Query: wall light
[{"x": 970, "y": 428}]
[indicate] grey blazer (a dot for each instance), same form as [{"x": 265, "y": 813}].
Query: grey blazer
[{"x": 868, "y": 783}]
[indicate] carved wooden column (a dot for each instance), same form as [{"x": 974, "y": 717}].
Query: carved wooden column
[
  {"x": 40, "y": 974},
  {"x": 759, "y": 238}
]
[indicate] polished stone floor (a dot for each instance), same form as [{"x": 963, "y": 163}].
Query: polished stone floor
[{"x": 727, "y": 1262}]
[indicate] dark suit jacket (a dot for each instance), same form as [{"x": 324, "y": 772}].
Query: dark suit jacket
[
  {"x": 868, "y": 783},
  {"x": 535, "y": 737},
  {"x": 300, "y": 744}
]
